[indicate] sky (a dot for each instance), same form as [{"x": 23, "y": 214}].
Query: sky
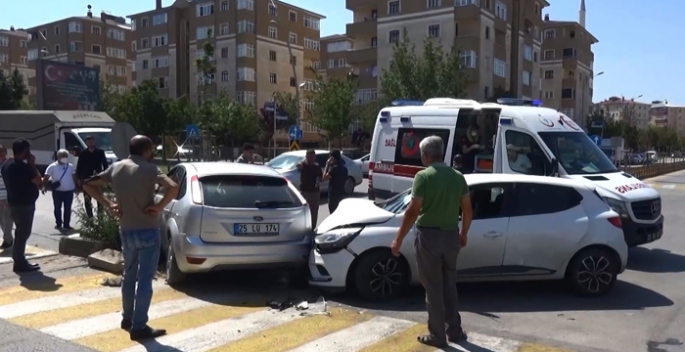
[{"x": 638, "y": 49}]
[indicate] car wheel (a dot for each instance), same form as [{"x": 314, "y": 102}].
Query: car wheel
[
  {"x": 174, "y": 275},
  {"x": 380, "y": 276},
  {"x": 593, "y": 272},
  {"x": 349, "y": 186}
]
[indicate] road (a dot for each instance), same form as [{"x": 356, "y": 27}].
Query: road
[{"x": 645, "y": 311}]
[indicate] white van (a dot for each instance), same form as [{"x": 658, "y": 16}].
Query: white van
[{"x": 511, "y": 136}]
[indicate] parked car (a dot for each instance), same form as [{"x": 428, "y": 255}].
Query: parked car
[
  {"x": 286, "y": 164},
  {"x": 524, "y": 228},
  {"x": 363, "y": 164},
  {"x": 230, "y": 216}
]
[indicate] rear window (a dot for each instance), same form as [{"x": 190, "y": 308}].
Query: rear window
[
  {"x": 248, "y": 192},
  {"x": 285, "y": 161},
  {"x": 407, "y": 148}
]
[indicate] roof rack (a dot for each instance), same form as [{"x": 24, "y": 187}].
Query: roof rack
[{"x": 518, "y": 102}]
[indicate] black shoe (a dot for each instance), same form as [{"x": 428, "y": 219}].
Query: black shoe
[
  {"x": 126, "y": 324},
  {"x": 6, "y": 245},
  {"x": 68, "y": 228},
  {"x": 26, "y": 268},
  {"x": 58, "y": 227},
  {"x": 146, "y": 333},
  {"x": 461, "y": 336}
]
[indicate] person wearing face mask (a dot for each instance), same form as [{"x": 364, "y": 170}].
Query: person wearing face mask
[
  {"x": 133, "y": 180},
  {"x": 22, "y": 180},
  {"x": 60, "y": 177}
]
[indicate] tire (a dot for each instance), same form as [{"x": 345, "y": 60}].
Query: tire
[
  {"x": 299, "y": 277},
  {"x": 350, "y": 184},
  {"x": 593, "y": 272},
  {"x": 380, "y": 276},
  {"x": 174, "y": 275}
]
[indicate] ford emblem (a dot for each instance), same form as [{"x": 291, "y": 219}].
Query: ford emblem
[{"x": 258, "y": 218}]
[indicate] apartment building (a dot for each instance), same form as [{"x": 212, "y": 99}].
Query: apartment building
[
  {"x": 621, "y": 109},
  {"x": 481, "y": 28},
  {"x": 102, "y": 42},
  {"x": 14, "y": 52},
  {"x": 665, "y": 114},
  {"x": 568, "y": 66}
]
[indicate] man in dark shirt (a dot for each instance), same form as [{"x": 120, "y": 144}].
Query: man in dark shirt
[
  {"x": 469, "y": 151},
  {"x": 91, "y": 161},
  {"x": 336, "y": 175},
  {"x": 247, "y": 157},
  {"x": 22, "y": 180},
  {"x": 310, "y": 178}
]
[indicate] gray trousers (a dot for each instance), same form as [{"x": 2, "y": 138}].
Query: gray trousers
[
  {"x": 313, "y": 199},
  {"x": 6, "y": 221},
  {"x": 436, "y": 258},
  {"x": 23, "y": 218}
]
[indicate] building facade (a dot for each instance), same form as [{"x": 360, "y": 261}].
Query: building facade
[
  {"x": 14, "y": 52},
  {"x": 629, "y": 110},
  {"x": 103, "y": 42},
  {"x": 664, "y": 114},
  {"x": 568, "y": 66}
]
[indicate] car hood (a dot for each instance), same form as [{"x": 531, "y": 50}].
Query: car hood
[
  {"x": 617, "y": 185},
  {"x": 353, "y": 211}
]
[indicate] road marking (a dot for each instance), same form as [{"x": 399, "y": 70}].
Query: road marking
[
  {"x": 668, "y": 186},
  {"x": 533, "y": 347},
  {"x": 31, "y": 253}
]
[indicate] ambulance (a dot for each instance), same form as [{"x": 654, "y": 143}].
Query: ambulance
[{"x": 511, "y": 136}]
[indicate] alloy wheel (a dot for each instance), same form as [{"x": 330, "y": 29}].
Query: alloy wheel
[
  {"x": 349, "y": 186},
  {"x": 386, "y": 275},
  {"x": 593, "y": 273}
]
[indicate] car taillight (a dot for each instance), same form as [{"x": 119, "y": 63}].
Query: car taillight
[
  {"x": 370, "y": 177},
  {"x": 616, "y": 221},
  {"x": 195, "y": 190}
]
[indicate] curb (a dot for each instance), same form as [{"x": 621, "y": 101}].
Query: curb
[{"x": 77, "y": 246}]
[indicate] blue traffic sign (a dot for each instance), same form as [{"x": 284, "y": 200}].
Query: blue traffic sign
[
  {"x": 192, "y": 131},
  {"x": 597, "y": 139},
  {"x": 295, "y": 133}
]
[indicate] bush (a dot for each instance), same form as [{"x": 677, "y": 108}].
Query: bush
[{"x": 103, "y": 226}]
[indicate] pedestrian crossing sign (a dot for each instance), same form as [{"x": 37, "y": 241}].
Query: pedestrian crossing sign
[
  {"x": 192, "y": 131},
  {"x": 294, "y": 145}
]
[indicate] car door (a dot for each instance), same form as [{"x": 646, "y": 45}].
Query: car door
[
  {"x": 547, "y": 223},
  {"x": 176, "y": 174},
  {"x": 484, "y": 251}
]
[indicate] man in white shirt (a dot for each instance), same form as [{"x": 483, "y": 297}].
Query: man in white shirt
[
  {"x": 518, "y": 161},
  {"x": 60, "y": 177},
  {"x": 5, "y": 219}
]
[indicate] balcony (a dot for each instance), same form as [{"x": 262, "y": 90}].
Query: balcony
[
  {"x": 365, "y": 28},
  {"x": 356, "y": 4},
  {"x": 361, "y": 56}
]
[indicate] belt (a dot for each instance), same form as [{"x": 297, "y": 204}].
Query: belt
[{"x": 434, "y": 228}]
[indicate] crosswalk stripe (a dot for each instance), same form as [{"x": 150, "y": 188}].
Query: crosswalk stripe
[
  {"x": 483, "y": 342},
  {"x": 63, "y": 301},
  {"x": 49, "y": 288},
  {"x": 357, "y": 337},
  {"x": 404, "y": 341},
  {"x": 293, "y": 334},
  {"x": 210, "y": 336}
]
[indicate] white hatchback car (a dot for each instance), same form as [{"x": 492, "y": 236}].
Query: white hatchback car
[{"x": 524, "y": 228}]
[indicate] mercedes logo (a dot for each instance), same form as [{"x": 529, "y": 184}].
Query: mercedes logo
[
  {"x": 259, "y": 218},
  {"x": 656, "y": 208}
]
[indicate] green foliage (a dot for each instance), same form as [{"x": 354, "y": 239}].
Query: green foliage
[
  {"x": 226, "y": 117},
  {"x": 435, "y": 73},
  {"x": 180, "y": 112},
  {"x": 110, "y": 98},
  {"x": 288, "y": 102},
  {"x": 103, "y": 226},
  {"x": 13, "y": 90},
  {"x": 654, "y": 137},
  {"x": 334, "y": 108},
  {"x": 145, "y": 110}
]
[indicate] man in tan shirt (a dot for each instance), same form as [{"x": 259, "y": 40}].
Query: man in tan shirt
[{"x": 134, "y": 180}]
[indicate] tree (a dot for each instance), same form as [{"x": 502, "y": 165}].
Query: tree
[
  {"x": 13, "y": 90},
  {"x": 144, "y": 110},
  {"x": 206, "y": 66},
  {"x": 334, "y": 109},
  {"x": 109, "y": 98},
  {"x": 435, "y": 73},
  {"x": 287, "y": 102},
  {"x": 228, "y": 119},
  {"x": 180, "y": 112}
]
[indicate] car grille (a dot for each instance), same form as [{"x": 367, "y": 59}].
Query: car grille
[{"x": 647, "y": 209}]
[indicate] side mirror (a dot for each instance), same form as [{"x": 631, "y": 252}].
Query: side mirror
[{"x": 555, "y": 167}]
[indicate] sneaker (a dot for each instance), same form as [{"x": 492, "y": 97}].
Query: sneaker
[{"x": 146, "y": 333}]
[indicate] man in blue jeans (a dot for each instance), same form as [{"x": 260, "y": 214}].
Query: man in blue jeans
[{"x": 134, "y": 180}]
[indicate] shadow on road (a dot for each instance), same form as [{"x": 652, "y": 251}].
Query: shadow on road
[
  {"x": 655, "y": 260},
  {"x": 37, "y": 281}
]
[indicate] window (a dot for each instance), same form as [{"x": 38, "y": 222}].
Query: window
[
  {"x": 23, "y": 44},
  {"x": 76, "y": 46},
  {"x": 527, "y": 52},
  {"x": 57, "y": 30},
  {"x": 407, "y": 149},
  {"x": 96, "y": 49},
  {"x": 292, "y": 16},
  {"x": 572, "y": 34},
  {"x": 397, "y": 204},
  {"x": 501, "y": 10},
  {"x": 550, "y": 34},
  {"x": 273, "y": 33},
  {"x": 57, "y": 48},
  {"x": 75, "y": 27},
  {"x": 204, "y": 32},
  {"x": 133, "y": 46},
  {"x": 394, "y": 36},
  {"x": 116, "y": 52},
  {"x": 116, "y": 34},
  {"x": 312, "y": 44},
  {"x": 316, "y": 65},
  {"x": 374, "y": 42},
  {"x": 145, "y": 65},
  {"x": 525, "y": 155},
  {"x": 202, "y": 10},
  {"x": 549, "y": 74},
  {"x": 576, "y": 152},
  {"x": 248, "y": 98},
  {"x": 160, "y": 40},
  {"x": 338, "y": 46},
  {"x": 246, "y": 50},
  {"x": 293, "y": 83},
  {"x": 433, "y": 4},
  {"x": 224, "y": 76},
  {"x": 71, "y": 142},
  {"x": 224, "y": 53},
  {"x": 525, "y": 78},
  {"x": 246, "y": 5},
  {"x": 160, "y": 61},
  {"x": 434, "y": 31},
  {"x": 32, "y": 54},
  {"x": 273, "y": 79},
  {"x": 487, "y": 32},
  {"x": 569, "y": 53},
  {"x": 311, "y": 22},
  {"x": 466, "y": 2},
  {"x": 162, "y": 82},
  {"x": 549, "y": 55},
  {"x": 549, "y": 94},
  {"x": 488, "y": 201},
  {"x": 293, "y": 60},
  {"x": 224, "y": 5},
  {"x": 272, "y": 11},
  {"x": 44, "y": 51},
  {"x": 145, "y": 43},
  {"x": 393, "y": 7},
  {"x": 293, "y": 38},
  {"x": 245, "y": 27},
  {"x": 568, "y": 93},
  {"x": 144, "y": 22},
  {"x": 160, "y": 18},
  {"x": 500, "y": 68},
  {"x": 272, "y": 55},
  {"x": 538, "y": 199},
  {"x": 469, "y": 58},
  {"x": 4, "y": 57},
  {"x": 224, "y": 29},
  {"x": 24, "y": 60},
  {"x": 246, "y": 74},
  {"x": 95, "y": 30},
  {"x": 247, "y": 192}
]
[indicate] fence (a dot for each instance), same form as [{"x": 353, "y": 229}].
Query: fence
[{"x": 662, "y": 166}]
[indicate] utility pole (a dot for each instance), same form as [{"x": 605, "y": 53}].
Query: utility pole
[{"x": 515, "y": 50}]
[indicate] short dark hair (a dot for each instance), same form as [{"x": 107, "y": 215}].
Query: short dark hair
[
  {"x": 458, "y": 159},
  {"x": 311, "y": 151},
  {"x": 2, "y": 147},
  {"x": 20, "y": 145},
  {"x": 336, "y": 154},
  {"x": 139, "y": 145},
  {"x": 90, "y": 138},
  {"x": 247, "y": 147}
]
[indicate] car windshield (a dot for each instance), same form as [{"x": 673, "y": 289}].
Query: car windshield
[
  {"x": 102, "y": 139},
  {"x": 396, "y": 204},
  {"x": 577, "y": 153},
  {"x": 285, "y": 161},
  {"x": 247, "y": 192}
]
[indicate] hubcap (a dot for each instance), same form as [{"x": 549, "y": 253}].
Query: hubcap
[
  {"x": 349, "y": 186},
  {"x": 593, "y": 273},
  {"x": 386, "y": 276}
]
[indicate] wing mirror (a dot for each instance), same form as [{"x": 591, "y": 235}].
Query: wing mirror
[{"x": 555, "y": 167}]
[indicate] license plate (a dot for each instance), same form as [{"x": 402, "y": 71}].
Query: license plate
[
  {"x": 654, "y": 236},
  {"x": 256, "y": 229}
]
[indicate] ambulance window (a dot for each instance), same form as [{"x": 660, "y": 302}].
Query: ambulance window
[
  {"x": 525, "y": 155},
  {"x": 407, "y": 149}
]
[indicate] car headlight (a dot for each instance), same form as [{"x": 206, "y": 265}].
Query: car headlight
[
  {"x": 337, "y": 239},
  {"x": 617, "y": 206}
]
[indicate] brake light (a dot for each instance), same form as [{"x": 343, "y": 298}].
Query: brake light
[
  {"x": 370, "y": 177},
  {"x": 616, "y": 221},
  {"x": 195, "y": 190}
]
